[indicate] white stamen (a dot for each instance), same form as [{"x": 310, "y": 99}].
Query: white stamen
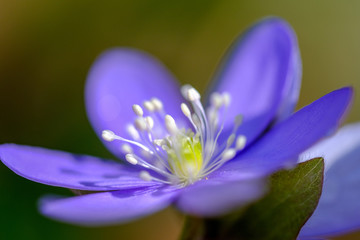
[
  {"x": 226, "y": 99},
  {"x": 191, "y": 169},
  {"x": 216, "y": 100},
  {"x": 184, "y": 89},
  {"x": 138, "y": 110},
  {"x": 126, "y": 148},
  {"x": 165, "y": 148},
  {"x": 131, "y": 142},
  {"x": 228, "y": 154},
  {"x": 193, "y": 95},
  {"x": 162, "y": 150},
  {"x": 230, "y": 140},
  {"x": 157, "y": 104},
  {"x": 131, "y": 159},
  {"x": 238, "y": 120},
  {"x": 160, "y": 165},
  {"x": 108, "y": 135},
  {"x": 185, "y": 109},
  {"x": 145, "y": 153},
  {"x": 140, "y": 124},
  {"x": 145, "y": 175},
  {"x": 170, "y": 125},
  {"x": 159, "y": 142},
  {"x": 196, "y": 120},
  {"x": 240, "y": 142},
  {"x": 149, "y": 106},
  {"x": 213, "y": 116},
  {"x": 133, "y": 132},
  {"x": 150, "y": 122}
]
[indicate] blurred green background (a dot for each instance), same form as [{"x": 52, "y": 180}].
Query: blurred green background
[{"x": 47, "y": 47}]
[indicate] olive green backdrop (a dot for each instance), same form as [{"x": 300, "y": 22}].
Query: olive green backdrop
[{"x": 47, "y": 47}]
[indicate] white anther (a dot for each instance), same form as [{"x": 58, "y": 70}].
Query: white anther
[
  {"x": 149, "y": 106},
  {"x": 185, "y": 110},
  {"x": 131, "y": 159},
  {"x": 138, "y": 110},
  {"x": 193, "y": 95},
  {"x": 157, "y": 104},
  {"x": 238, "y": 120},
  {"x": 226, "y": 98},
  {"x": 140, "y": 124},
  {"x": 229, "y": 154},
  {"x": 212, "y": 116},
  {"x": 230, "y": 140},
  {"x": 159, "y": 142},
  {"x": 150, "y": 122},
  {"x": 165, "y": 148},
  {"x": 170, "y": 125},
  {"x": 144, "y": 175},
  {"x": 126, "y": 148},
  {"x": 108, "y": 135},
  {"x": 184, "y": 89},
  {"x": 216, "y": 100},
  {"x": 145, "y": 153},
  {"x": 240, "y": 142},
  {"x": 133, "y": 132}
]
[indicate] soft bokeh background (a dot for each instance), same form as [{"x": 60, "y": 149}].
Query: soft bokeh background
[{"x": 47, "y": 47}]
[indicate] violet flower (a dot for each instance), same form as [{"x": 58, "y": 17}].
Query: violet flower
[
  {"x": 206, "y": 163},
  {"x": 338, "y": 211}
]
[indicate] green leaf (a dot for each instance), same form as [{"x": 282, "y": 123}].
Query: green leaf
[{"x": 292, "y": 198}]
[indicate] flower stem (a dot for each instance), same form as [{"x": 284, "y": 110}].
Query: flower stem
[{"x": 201, "y": 229}]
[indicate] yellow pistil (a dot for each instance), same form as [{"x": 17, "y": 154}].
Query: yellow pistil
[{"x": 185, "y": 159}]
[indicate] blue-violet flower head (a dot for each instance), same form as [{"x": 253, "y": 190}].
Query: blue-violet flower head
[{"x": 206, "y": 155}]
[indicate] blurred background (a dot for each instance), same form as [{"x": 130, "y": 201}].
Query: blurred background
[{"x": 47, "y": 47}]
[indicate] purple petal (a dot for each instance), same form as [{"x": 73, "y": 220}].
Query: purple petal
[
  {"x": 120, "y": 78},
  {"x": 209, "y": 198},
  {"x": 293, "y": 85},
  {"x": 338, "y": 211},
  {"x": 281, "y": 146},
  {"x": 68, "y": 170},
  {"x": 262, "y": 72},
  {"x": 107, "y": 208}
]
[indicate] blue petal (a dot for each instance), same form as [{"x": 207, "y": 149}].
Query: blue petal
[
  {"x": 281, "y": 146},
  {"x": 120, "y": 78},
  {"x": 68, "y": 170},
  {"x": 262, "y": 72},
  {"x": 338, "y": 211},
  {"x": 210, "y": 198},
  {"x": 107, "y": 208}
]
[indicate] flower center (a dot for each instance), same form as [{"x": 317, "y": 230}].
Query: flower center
[{"x": 176, "y": 155}]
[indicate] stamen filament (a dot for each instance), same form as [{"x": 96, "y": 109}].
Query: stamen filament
[
  {"x": 144, "y": 175},
  {"x": 104, "y": 135}
]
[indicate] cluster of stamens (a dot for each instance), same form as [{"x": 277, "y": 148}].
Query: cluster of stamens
[{"x": 180, "y": 156}]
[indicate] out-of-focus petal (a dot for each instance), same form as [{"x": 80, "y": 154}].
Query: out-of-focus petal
[
  {"x": 107, "y": 208},
  {"x": 68, "y": 170},
  {"x": 334, "y": 148},
  {"x": 120, "y": 78},
  {"x": 209, "y": 198},
  {"x": 338, "y": 211},
  {"x": 262, "y": 72},
  {"x": 293, "y": 85},
  {"x": 281, "y": 146}
]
